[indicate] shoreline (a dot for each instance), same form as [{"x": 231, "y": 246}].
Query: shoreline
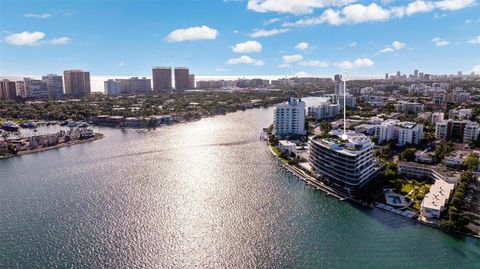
[
  {"x": 312, "y": 182},
  {"x": 97, "y": 136}
]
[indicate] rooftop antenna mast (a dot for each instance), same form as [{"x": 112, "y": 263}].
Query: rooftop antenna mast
[{"x": 344, "y": 76}]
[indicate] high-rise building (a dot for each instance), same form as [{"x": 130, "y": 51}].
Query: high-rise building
[
  {"x": 162, "y": 78},
  {"x": 35, "y": 88},
  {"x": 8, "y": 90},
  {"x": 386, "y": 75},
  {"x": 182, "y": 78},
  {"x": 127, "y": 86},
  {"x": 289, "y": 118},
  {"x": 77, "y": 83},
  {"x": 53, "y": 84},
  {"x": 415, "y": 73},
  {"x": 20, "y": 86},
  {"x": 338, "y": 85},
  {"x": 409, "y": 133},
  {"x": 324, "y": 110},
  {"x": 346, "y": 164},
  {"x": 192, "y": 81}
]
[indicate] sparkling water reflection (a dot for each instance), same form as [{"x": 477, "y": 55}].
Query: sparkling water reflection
[{"x": 206, "y": 194}]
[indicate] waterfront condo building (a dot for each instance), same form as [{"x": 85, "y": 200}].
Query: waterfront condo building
[
  {"x": 324, "y": 110},
  {"x": 127, "y": 86},
  {"x": 34, "y": 88},
  {"x": 182, "y": 78},
  {"x": 8, "y": 90},
  {"x": 77, "y": 83},
  {"x": 289, "y": 118},
  {"x": 53, "y": 85},
  {"x": 162, "y": 78},
  {"x": 345, "y": 164}
]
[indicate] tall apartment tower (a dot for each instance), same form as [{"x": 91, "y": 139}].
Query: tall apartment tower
[
  {"x": 289, "y": 118},
  {"x": 162, "y": 78},
  {"x": 53, "y": 85},
  {"x": 338, "y": 85},
  {"x": 192, "y": 81},
  {"x": 182, "y": 78},
  {"x": 77, "y": 83},
  {"x": 8, "y": 90}
]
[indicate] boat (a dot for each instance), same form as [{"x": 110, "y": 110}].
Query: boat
[
  {"x": 72, "y": 124},
  {"x": 10, "y": 126},
  {"x": 28, "y": 124},
  {"x": 63, "y": 123},
  {"x": 83, "y": 125}
]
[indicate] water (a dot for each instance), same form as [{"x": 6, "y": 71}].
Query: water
[{"x": 199, "y": 195}]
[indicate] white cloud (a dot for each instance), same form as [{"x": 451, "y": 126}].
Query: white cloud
[
  {"x": 302, "y": 46},
  {"x": 359, "y": 13},
  {"x": 358, "y": 63},
  {"x": 454, "y": 4},
  {"x": 288, "y": 59},
  {"x": 265, "y": 33},
  {"x": 272, "y": 20},
  {"x": 353, "y": 44},
  {"x": 303, "y": 74},
  {"x": 296, "y": 7},
  {"x": 192, "y": 33},
  {"x": 34, "y": 39},
  {"x": 221, "y": 70},
  {"x": 439, "y": 42},
  {"x": 37, "y": 16},
  {"x": 396, "y": 45},
  {"x": 244, "y": 59},
  {"x": 60, "y": 41},
  {"x": 475, "y": 40},
  {"x": 476, "y": 69},
  {"x": 247, "y": 47},
  {"x": 284, "y": 65},
  {"x": 314, "y": 63},
  {"x": 25, "y": 38}
]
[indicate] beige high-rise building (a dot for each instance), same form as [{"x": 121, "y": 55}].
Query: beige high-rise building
[
  {"x": 182, "y": 78},
  {"x": 77, "y": 83},
  {"x": 162, "y": 78},
  {"x": 7, "y": 90}
]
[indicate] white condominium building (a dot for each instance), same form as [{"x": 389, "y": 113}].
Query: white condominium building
[
  {"x": 409, "y": 133},
  {"x": 437, "y": 117},
  {"x": 385, "y": 131},
  {"x": 346, "y": 164},
  {"x": 324, "y": 110},
  {"x": 289, "y": 118},
  {"x": 460, "y": 114},
  {"x": 413, "y": 107},
  {"x": 471, "y": 132}
]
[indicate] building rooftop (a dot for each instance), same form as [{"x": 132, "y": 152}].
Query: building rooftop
[
  {"x": 438, "y": 196},
  {"x": 353, "y": 145}
]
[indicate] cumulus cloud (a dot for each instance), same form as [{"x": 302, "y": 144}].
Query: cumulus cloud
[
  {"x": 353, "y": 44},
  {"x": 360, "y": 13},
  {"x": 396, "y": 45},
  {"x": 302, "y": 46},
  {"x": 288, "y": 59},
  {"x": 37, "y": 16},
  {"x": 296, "y": 7},
  {"x": 476, "y": 69},
  {"x": 60, "y": 41},
  {"x": 475, "y": 40},
  {"x": 34, "y": 39},
  {"x": 192, "y": 34},
  {"x": 247, "y": 47},
  {"x": 358, "y": 63},
  {"x": 265, "y": 33},
  {"x": 440, "y": 42},
  {"x": 272, "y": 20},
  {"x": 314, "y": 63},
  {"x": 244, "y": 59}
]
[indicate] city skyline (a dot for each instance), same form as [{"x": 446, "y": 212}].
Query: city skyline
[{"x": 241, "y": 38}]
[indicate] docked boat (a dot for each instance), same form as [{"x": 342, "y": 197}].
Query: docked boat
[
  {"x": 63, "y": 123},
  {"x": 10, "y": 126},
  {"x": 83, "y": 125},
  {"x": 72, "y": 124},
  {"x": 28, "y": 124}
]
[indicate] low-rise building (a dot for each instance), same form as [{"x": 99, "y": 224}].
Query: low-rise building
[
  {"x": 435, "y": 202},
  {"x": 287, "y": 147}
]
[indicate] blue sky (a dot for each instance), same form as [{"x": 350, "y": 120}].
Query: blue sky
[{"x": 125, "y": 38}]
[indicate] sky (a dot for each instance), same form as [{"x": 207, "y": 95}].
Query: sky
[{"x": 240, "y": 38}]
